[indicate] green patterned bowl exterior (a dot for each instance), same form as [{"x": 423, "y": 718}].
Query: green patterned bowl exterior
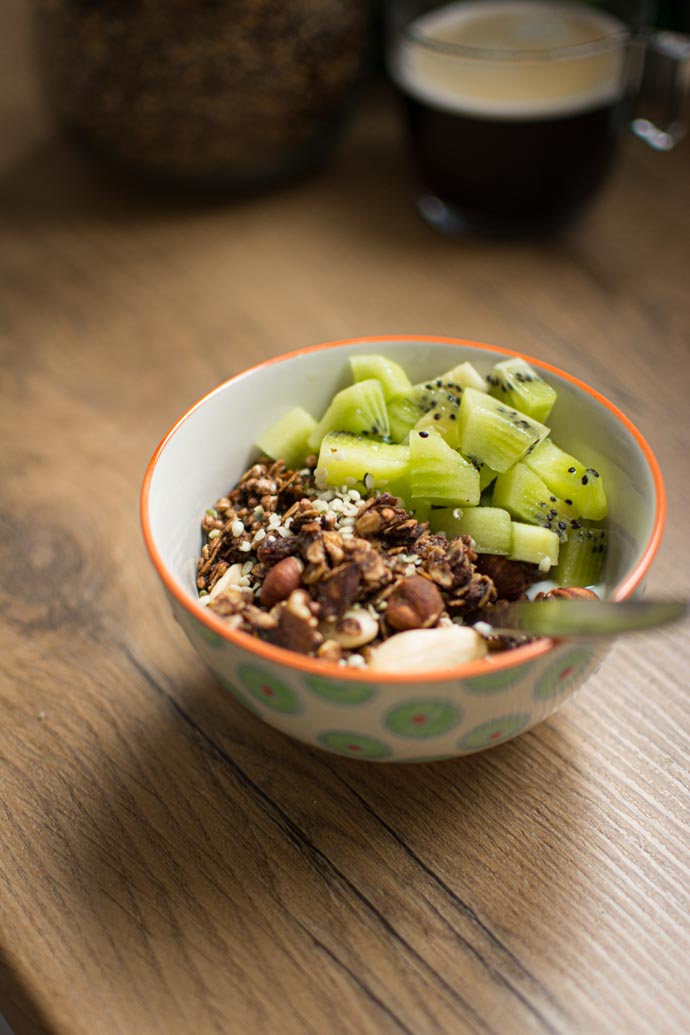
[
  {"x": 416, "y": 722},
  {"x": 385, "y": 717}
]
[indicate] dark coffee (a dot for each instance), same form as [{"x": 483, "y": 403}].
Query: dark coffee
[
  {"x": 508, "y": 176},
  {"x": 514, "y": 111}
]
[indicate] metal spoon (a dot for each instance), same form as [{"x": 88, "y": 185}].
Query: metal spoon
[{"x": 583, "y": 618}]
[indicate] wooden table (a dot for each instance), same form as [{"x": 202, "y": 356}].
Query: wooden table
[{"x": 170, "y": 865}]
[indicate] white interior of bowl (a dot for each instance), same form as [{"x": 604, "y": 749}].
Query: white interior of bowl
[{"x": 211, "y": 447}]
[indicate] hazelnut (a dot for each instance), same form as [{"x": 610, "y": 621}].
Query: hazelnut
[
  {"x": 415, "y": 603},
  {"x": 281, "y": 580}
]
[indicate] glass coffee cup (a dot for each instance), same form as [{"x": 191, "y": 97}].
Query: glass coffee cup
[{"x": 515, "y": 109}]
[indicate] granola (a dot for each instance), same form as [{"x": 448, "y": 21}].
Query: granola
[{"x": 333, "y": 574}]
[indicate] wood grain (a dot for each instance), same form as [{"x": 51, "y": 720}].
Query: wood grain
[{"x": 167, "y": 863}]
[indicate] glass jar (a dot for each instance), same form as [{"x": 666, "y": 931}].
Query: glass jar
[{"x": 238, "y": 93}]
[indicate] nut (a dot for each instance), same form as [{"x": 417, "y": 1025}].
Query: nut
[
  {"x": 355, "y": 628},
  {"x": 415, "y": 603},
  {"x": 570, "y": 593},
  {"x": 297, "y": 625},
  {"x": 231, "y": 577},
  {"x": 281, "y": 580},
  {"x": 420, "y": 650},
  {"x": 508, "y": 576}
]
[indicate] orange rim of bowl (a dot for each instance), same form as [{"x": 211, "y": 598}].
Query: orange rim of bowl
[{"x": 490, "y": 663}]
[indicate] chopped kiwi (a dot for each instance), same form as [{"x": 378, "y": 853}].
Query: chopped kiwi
[
  {"x": 438, "y": 395},
  {"x": 435, "y": 400},
  {"x": 495, "y": 434},
  {"x": 569, "y": 478},
  {"x": 442, "y": 418},
  {"x": 489, "y": 527},
  {"x": 534, "y": 545},
  {"x": 387, "y": 372},
  {"x": 438, "y": 473},
  {"x": 287, "y": 438},
  {"x": 523, "y": 493},
  {"x": 353, "y": 460},
  {"x": 405, "y": 410},
  {"x": 467, "y": 376},
  {"x": 360, "y": 409},
  {"x": 486, "y": 474},
  {"x": 581, "y": 558},
  {"x": 516, "y": 383}
]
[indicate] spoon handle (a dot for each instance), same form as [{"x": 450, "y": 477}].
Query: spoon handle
[{"x": 588, "y": 618}]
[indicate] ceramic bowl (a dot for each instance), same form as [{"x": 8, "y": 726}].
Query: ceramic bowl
[{"x": 401, "y": 717}]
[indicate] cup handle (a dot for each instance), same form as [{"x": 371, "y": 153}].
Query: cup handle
[{"x": 665, "y": 81}]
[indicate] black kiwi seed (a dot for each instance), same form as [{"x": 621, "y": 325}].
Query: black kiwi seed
[
  {"x": 439, "y": 383},
  {"x": 584, "y": 479},
  {"x": 562, "y": 525},
  {"x": 552, "y": 498},
  {"x": 437, "y": 416},
  {"x": 569, "y": 502},
  {"x": 453, "y": 416},
  {"x": 423, "y": 434},
  {"x": 571, "y": 470}
]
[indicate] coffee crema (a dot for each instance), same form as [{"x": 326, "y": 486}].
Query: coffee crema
[{"x": 513, "y": 108}]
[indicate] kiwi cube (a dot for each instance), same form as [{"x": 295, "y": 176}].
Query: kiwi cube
[
  {"x": 387, "y": 372},
  {"x": 525, "y": 496},
  {"x": 489, "y": 527},
  {"x": 287, "y": 438},
  {"x": 364, "y": 463},
  {"x": 435, "y": 400},
  {"x": 438, "y": 473},
  {"x": 517, "y": 384},
  {"x": 493, "y": 433},
  {"x": 360, "y": 408},
  {"x": 466, "y": 375},
  {"x": 443, "y": 418},
  {"x": 404, "y": 411},
  {"x": 534, "y": 545},
  {"x": 581, "y": 559},
  {"x": 567, "y": 477}
]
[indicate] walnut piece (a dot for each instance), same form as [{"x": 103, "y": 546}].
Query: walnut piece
[
  {"x": 508, "y": 576},
  {"x": 297, "y": 624}
]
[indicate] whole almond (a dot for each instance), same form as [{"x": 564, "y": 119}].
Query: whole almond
[
  {"x": 281, "y": 580},
  {"x": 422, "y": 650}
]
